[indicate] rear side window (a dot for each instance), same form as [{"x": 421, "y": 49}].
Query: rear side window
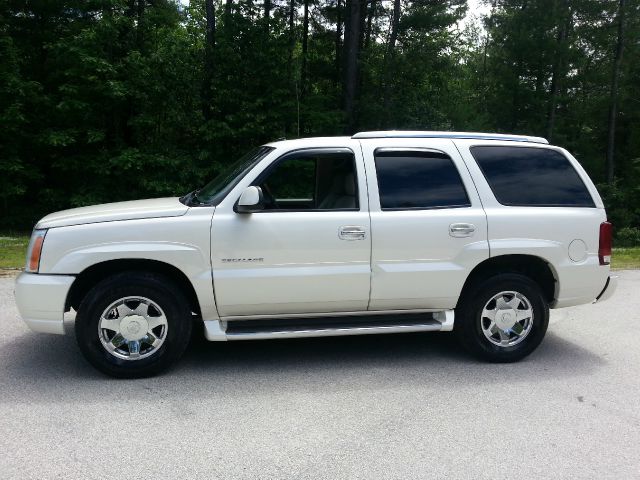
[
  {"x": 413, "y": 179},
  {"x": 529, "y": 176}
]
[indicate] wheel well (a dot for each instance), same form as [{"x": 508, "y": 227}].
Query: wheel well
[
  {"x": 531, "y": 266},
  {"x": 98, "y": 272}
]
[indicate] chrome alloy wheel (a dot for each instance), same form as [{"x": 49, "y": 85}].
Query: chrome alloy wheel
[
  {"x": 132, "y": 328},
  {"x": 507, "y": 319}
]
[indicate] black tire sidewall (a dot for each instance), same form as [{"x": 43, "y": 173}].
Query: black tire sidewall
[
  {"x": 156, "y": 288},
  {"x": 468, "y": 325}
]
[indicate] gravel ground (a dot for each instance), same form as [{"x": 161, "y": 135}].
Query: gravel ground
[{"x": 394, "y": 407}]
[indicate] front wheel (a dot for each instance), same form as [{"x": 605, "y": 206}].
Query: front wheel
[
  {"x": 133, "y": 325},
  {"x": 502, "y": 319}
]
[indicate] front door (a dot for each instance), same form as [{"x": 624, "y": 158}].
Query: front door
[{"x": 309, "y": 250}]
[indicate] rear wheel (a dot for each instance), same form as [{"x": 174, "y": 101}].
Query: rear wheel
[
  {"x": 133, "y": 325},
  {"x": 502, "y": 319}
]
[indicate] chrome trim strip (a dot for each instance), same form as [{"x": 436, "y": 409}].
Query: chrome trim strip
[
  {"x": 232, "y": 318},
  {"x": 450, "y": 135},
  {"x": 335, "y": 332}
]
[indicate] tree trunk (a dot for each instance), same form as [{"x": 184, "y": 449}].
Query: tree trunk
[
  {"x": 613, "y": 102},
  {"x": 339, "y": 42},
  {"x": 488, "y": 33},
  {"x": 394, "y": 28},
  {"x": 135, "y": 11},
  {"x": 372, "y": 14},
  {"x": 363, "y": 24},
  {"x": 209, "y": 62},
  {"x": 292, "y": 31},
  {"x": 131, "y": 8},
  {"x": 227, "y": 12},
  {"x": 351, "y": 44},
  {"x": 267, "y": 11},
  {"x": 515, "y": 96},
  {"x": 290, "y": 67},
  {"x": 558, "y": 66},
  {"x": 140, "y": 17},
  {"x": 388, "y": 61},
  {"x": 305, "y": 48}
]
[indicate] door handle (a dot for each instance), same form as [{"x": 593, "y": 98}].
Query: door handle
[
  {"x": 461, "y": 229},
  {"x": 352, "y": 233}
]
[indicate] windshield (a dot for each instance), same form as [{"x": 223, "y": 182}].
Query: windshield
[{"x": 214, "y": 191}]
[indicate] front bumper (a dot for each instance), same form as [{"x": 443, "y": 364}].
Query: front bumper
[
  {"x": 608, "y": 290},
  {"x": 40, "y": 300}
]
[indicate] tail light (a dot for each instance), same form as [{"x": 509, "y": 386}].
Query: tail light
[{"x": 606, "y": 241}]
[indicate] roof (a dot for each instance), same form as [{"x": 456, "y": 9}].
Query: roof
[{"x": 459, "y": 135}]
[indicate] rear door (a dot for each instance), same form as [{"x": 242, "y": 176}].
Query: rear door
[{"x": 429, "y": 229}]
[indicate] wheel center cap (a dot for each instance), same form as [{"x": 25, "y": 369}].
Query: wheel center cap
[
  {"x": 134, "y": 327},
  {"x": 505, "y": 319}
]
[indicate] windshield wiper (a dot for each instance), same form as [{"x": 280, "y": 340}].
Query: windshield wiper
[
  {"x": 195, "y": 197},
  {"x": 191, "y": 199}
]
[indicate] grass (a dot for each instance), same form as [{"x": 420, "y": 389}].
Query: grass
[
  {"x": 13, "y": 249},
  {"x": 625, "y": 258}
]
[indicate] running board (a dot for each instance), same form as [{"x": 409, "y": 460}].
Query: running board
[{"x": 217, "y": 330}]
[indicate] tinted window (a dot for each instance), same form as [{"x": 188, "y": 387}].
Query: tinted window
[
  {"x": 214, "y": 191},
  {"x": 293, "y": 178},
  {"x": 529, "y": 176},
  {"x": 419, "y": 180},
  {"x": 311, "y": 180}
]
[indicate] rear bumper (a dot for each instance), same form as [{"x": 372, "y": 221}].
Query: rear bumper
[
  {"x": 608, "y": 290},
  {"x": 40, "y": 300}
]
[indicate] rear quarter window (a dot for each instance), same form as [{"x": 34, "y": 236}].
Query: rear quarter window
[{"x": 530, "y": 176}]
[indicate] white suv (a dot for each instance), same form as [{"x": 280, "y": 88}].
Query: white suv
[{"x": 382, "y": 232}]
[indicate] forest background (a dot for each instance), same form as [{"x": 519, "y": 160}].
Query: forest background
[{"x": 106, "y": 100}]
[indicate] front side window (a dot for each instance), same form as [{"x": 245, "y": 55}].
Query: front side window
[
  {"x": 415, "y": 179},
  {"x": 311, "y": 180},
  {"x": 214, "y": 191},
  {"x": 530, "y": 176}
]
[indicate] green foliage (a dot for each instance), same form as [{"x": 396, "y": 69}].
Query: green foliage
[
  {"x": 628, "y": 237},
  {"x": 622, "y": 199},
  {"x": 106, "y": 100}
]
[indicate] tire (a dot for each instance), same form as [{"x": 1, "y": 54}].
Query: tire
[
  {"x": 129, "y": 304},
  {"x": 494, "y": 340}
]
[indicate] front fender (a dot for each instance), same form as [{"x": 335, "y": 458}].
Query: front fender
[
  {"x": 184, "y": 257},
  {"x": 182, "y": 242}
]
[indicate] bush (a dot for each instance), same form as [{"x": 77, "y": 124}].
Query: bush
[{"x": 628, "y": 237}]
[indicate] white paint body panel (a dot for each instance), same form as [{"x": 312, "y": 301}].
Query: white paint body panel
[
  {"x": 416, "y": 263},
  {"x": 291, "y": 262},
  {"x": 40, "y": 300},
  {"x": 546, "y": 232},
  {"x": 108, "y": 212},
  {"x": 182, "y": 242}
]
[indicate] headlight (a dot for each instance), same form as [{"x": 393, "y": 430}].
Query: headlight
[{"x": 34, "y": 251}]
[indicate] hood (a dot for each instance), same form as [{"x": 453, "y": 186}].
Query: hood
[{"x": 109, "y": 212}]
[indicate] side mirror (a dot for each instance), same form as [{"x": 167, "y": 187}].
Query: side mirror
[{"x": 251, "y": 200}]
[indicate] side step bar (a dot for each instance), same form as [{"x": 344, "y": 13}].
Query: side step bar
[{"x": 219, "y": 330}]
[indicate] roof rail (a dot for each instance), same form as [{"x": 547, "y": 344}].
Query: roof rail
[{"x": 460, "y": 135}]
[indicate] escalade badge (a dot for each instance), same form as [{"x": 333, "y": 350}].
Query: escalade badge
[{"x": 242, "y": 260}]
